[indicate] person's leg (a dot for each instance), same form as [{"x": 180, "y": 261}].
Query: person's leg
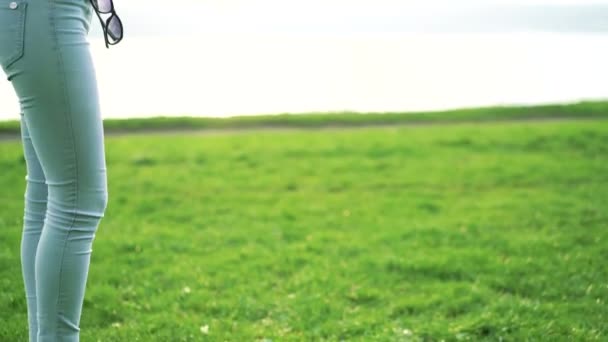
[
  {"x": 33, "y": 220},
  {"x": 56, "y": 85}
]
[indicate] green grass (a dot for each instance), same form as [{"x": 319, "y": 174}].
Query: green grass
[
  {"x": 582, "y": 110},
  {"x": 492, "y": 232}
]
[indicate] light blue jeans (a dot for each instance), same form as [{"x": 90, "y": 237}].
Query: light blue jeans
[{"x": 45, "y": 55}]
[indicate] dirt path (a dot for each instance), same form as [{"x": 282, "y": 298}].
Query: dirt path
[{"x": 328, "y": 127}]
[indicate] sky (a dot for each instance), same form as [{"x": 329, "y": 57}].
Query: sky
[
  {"x": 178, "y": 17},
  {"x": 246, "y": 57}
]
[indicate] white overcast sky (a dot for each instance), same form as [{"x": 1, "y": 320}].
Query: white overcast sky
[{"x": 152, "y": 17}]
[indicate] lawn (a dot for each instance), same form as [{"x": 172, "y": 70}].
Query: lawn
[{"x": 493, "y": 231}]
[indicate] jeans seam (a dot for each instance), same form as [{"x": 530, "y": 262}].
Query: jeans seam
[{"x": 68, "y": 119}]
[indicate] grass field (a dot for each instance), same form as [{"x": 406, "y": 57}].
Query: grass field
[
  {"x": 480, "y": 232},
  {"x": 581, "y": 110}
]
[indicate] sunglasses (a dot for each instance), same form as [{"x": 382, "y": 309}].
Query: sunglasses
[{"x": 112, "y": 26}]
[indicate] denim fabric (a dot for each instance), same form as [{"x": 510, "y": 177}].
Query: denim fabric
[{"x": 45, "y": 55}]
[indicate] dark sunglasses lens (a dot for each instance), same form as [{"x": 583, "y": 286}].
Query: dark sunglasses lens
[
  {"x": 114, "y": 29},
  {"x": 103, "y": 6}
]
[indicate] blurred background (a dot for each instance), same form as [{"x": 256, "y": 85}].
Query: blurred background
[{"x": 236, "y": 57}]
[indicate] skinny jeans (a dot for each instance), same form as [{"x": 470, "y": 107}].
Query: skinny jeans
[{"x": 45, "y": 55}]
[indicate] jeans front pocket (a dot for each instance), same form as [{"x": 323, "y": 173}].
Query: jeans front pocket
[{"x": 12, "y": 31}]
